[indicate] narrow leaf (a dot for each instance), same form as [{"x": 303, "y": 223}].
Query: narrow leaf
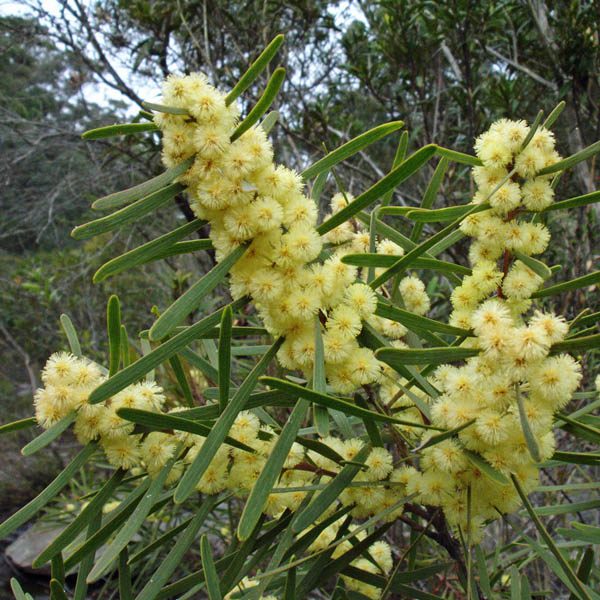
[
  {"x": 350, "y": 148},
  {"x": 113, "y": 326},
  {"x": 142, "y": 190},
  {"x": 329, "y": 495},
  {"x": 225, "y": 357},
  {"x": 319, "y": 384},
  {"x": 163, "y": 422},
  {"x": 18, "y": 425},
  {"x": 132, "y": 525},
  {"x": 174, "y": 559},
  {"x": 71, "y": 334},
  {"x": 81, "y": 521},
  {"x": 146, "y": 252},
  {"x": 221, "y": 428},
  {"x": 171, "y": 110},
  {"x": 485, "y": 467},
  {"x": 193, "y": 297},
  {"x": 143, "y": 365},
  {"x": 416, "y": 322},
  {"x": 63, "y": 478},
  {"x": 537, "y": 266},
  {"x": 213, "y": 587},
  {"x": 566, "y": 567},
  {"x": 556, "y": 112},
  {"x": 118, "y": 129},
  {"x": 383, "y": 260},
  {"x": 575, "y": 284},
  {"x": 576, "y": 202},
  {"x": 255, "y": 69},
  {"x": 125, "y": 589},
  {"x": 332, "y": 402},
  {"x": 459, "y": 157},
  {"x": 532, "y": 444},
  {"x": 440, "y": 437},
  {"x": 263, "y": 104},
  {"x": 431, "y": 194},
  {"x": 572, "y": 160},
  {"x": 387, "y": 183},
  {"x": 49, "y": 435},
  {"x": 424, "y": 356},
  {"x": 271, "y": 471},
  {"x": 125, "y": 215}
]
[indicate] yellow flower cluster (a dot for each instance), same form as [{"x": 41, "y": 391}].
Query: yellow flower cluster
[
  {"x": 514, "y": 366},
  {"x": 249, "y": 200}
]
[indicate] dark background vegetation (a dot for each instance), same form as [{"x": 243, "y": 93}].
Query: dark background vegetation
[{"x": 447, "y": 69}]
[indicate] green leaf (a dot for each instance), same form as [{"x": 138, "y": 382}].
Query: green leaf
[
  {"x": 18, "y": 425},
  {"x": 221, "y": 428},
  {"x": 329, "y": 495},
  {"x": 290, "y": 585},
  {"x": 192, "y": 298},
  {"x": 159, "y": 541},
  {"x": 459, "y": 157},
  {"x": 567, "y": 508},
  {"x": 143, "y": 365},
  {"x": 332, "y": 402},
  {"x": 556, "y": 111},
  {"x": 17, "y": 590},
  {"x": 319, "y": 383},
  {"x": 576, "y": 202},
  {"x": 580, "y": 344},
  {"x": 56, "y": 591},
  {"x": 142, "y": 190},
  {"x": 147, "y": 252},
  {"x": 125, "y": 589},
  {"x": 579, "y": 458},
  {"x": 71, "y": 334},
  {"x": 383, "y": 260},
  {"x": 263, "y": 104},
  {"x": 449, "y": 232},
  {"x": 271, "y": 471},
  {"x": 171, "y": 110},
  {"x": 485, "y": 467},
  {"x": 387, "y": 183},
  {"x": 572, "y": 160},
  {"x": 318, "y": 186},
  {"x": 163, "y": 422},
  {"x": 132, "y": 525},
  {"x": 115, "y": 519},
  {"x": 441, "y": 215},
  {"x": 113, "y": 326},
  {"x": 424, "y": 356},
  {"x": 125, "y": 215},
  {"x": 174, "y": 559},
  {"x": 225, "y": 357},
  {"x": 213, "y": 587},
  {"x": 269, "y": 121},
  {"x": 49, "y": 435},
  {"x": 575, "y": 284},
  {"x": 350, "y": 148},
  {"x": 81, "y": 521},
  {"x": 430, "y": 194},
  {"x": 440, "y": 437},
  {"x": 530, "y": 440},
  {"x": 31, "y": 508},
  {"x": 118, "y": 129},
  {"x": 581, "y": 532},
  {"x": 417, "y": 323},
  {"x": 566, "y": 567},
  {"x": 255, "y": 69},
  {"x": 537, "y": 266},
  {"x": 87, "y": 563},
  {"x": 584, "y": 569},
  {"x": 534, "y": 127}
]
